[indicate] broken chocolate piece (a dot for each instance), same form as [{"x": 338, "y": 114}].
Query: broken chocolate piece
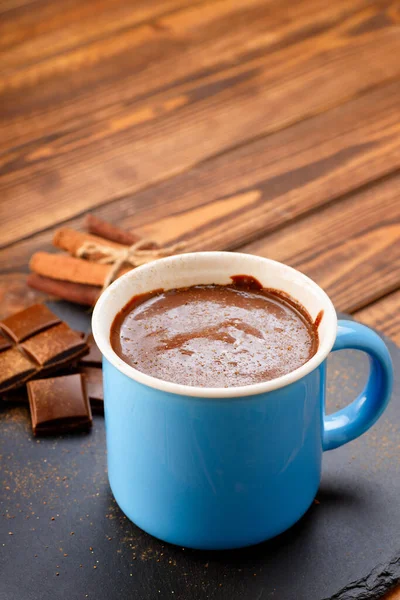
[
  {"x": 47, "y": 344},
  {"x": 15, "y": 369},
  {"x": 28, "y": 322},
  {"x": 94, "y": 357},
  {"x": 59, "y": 405},
  {"x": 4, "y": 343},
  {"x": 94, "y": 386},
  {"x": 55, "y": 346}
]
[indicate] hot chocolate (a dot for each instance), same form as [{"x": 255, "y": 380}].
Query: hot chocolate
[{"x": 215, "y": 335}]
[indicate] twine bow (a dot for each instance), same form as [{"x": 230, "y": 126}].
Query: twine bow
[{"x": 137, "y": 254}]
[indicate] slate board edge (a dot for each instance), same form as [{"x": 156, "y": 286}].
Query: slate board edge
[{"x": 381, "y": 580}]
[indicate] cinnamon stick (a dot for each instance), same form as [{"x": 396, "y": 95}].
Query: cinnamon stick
[
  {"x": 108, "y": 231},
  {"x": 78, "y": 293},
  {"x": 113, "y": 233},
  {"x": 71, "y": 240},
  {"x": 68, "y": 268}
]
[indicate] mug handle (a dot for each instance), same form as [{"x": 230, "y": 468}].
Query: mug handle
[{"x": 353, "y": 420}]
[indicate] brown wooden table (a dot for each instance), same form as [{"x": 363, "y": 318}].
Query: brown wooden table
[{"x": 270, "y": 127}]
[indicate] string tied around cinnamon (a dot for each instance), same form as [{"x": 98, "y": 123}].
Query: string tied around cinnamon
[{"x": 137, "y": 254}]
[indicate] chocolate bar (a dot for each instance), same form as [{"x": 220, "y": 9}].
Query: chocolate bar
[
  {"x": 94, "y": 387},
  {"x": 93, "y": 358},
  {"x": 15, "y": 369},
  {"x": 4, "y": 343},
  {"x": 90, "y": 367},
  {"x": 59, "y": 405},
  {"x": 28, "y": 322},
  {"x": 54, "y": 345},
  {"x": 36, "y": 342}
]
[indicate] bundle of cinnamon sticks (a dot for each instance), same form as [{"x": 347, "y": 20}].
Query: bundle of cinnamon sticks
[{"x": 93, "y": 260}]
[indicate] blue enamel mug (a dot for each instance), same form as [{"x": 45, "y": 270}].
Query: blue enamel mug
[{"x": 219, "y": 468}]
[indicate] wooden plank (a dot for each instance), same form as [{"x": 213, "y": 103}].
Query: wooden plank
[
  {"x": 141, "y": 61},
  {"x": 351, "y": 248},
  {"x": 8, "y": 6},
  {"x": 61, "y": 174},
  {"x": 393, "y": 595},
  {"x": 15, "y": 294},
  {"x": 228, "y": 201},
  {"x": 28, "y": 35},
  {"x": 385, "y": 316},
  {"x": 225, "y": 202},
  {"x": 347, "y": 248}
]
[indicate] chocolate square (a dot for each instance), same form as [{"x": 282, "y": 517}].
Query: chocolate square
[
  {"x": 59, "y": 404},
  {"x": 55, "y": 346},
  {"x": 94, "y": 358},
  {"x": 28, "y": 322},
  {"x": 47, "y": 344},
  {"x": 14, "y": 368},
  {"x": 94, "y": 387},
  {"x": 4, "y": 343}
]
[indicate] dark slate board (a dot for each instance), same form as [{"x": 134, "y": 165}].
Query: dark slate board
[{"x": 345, "y": 547}]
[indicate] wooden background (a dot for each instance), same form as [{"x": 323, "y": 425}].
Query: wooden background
[{"x": 268, "y": 126}]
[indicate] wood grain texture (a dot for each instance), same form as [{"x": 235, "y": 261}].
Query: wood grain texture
[
  {"x": 229, "y": 200},
  {"x": 11, "y": 6},
  {"x": 393, "y": 595},
  {"x": 257, "y": 188},
  {"x": 31, "y": 35},
  {"x": 384, "y": 315},
  {"x": 351, "y": 249},
  {"x": 15, "y": 294},
  {"x": 91, "y": 125},
  {"x": 141, "y": 61}
]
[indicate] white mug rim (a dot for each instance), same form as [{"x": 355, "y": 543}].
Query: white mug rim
[{"x": 107, "y": 351}]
